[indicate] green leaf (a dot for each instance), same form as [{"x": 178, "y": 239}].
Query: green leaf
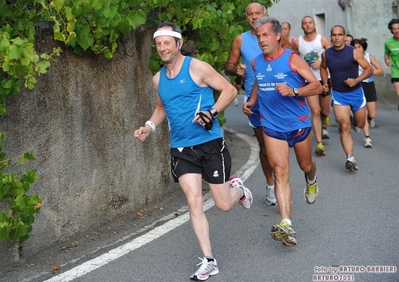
[
  {"x": 2, "y": 109},
  {"x": 19, "y": 232},
  {"x": 137, "y": 18},
  {"x": 15, "y": 52},
  {"x": 96, "y": 4},
  {"x": 29, "y": 156},
  {"x": 58, "y": 4},
  {"x": 42, "y": 66},
  {"x": 86, "y": 41}
]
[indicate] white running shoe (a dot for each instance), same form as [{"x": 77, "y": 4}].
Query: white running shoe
[
  {"x": 350, "y": 163},
  {"x": 326, "y": 134},
  {"x": 247, "y": 199},
  {"x": 270, "y": 196},
  {"x": 367, "y": 143},
  {"x": 371, "y": 122},
  {"x": 206, "y": 269}
]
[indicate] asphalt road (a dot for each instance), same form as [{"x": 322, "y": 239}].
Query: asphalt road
[{"x": 349, "y": 231}]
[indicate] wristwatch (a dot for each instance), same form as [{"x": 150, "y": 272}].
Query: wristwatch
[
  {"x": 296, "y": 91},
  {"x": 214, "y": 112},
  {"x": 357, "y": 80}
]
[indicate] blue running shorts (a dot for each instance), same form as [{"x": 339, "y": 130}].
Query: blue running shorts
[
  {"x": 355, "y": 99},
  {"x": 292, "y": 137}
]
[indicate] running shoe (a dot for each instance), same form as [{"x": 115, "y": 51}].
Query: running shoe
[
  {"x": 350, "y": 163},
  {"x": 311, "y": 192},
  {"x": 320, "y": 150},
  {"x": 326, "y": 134},
  {"x": 284, "y": 233},
  {"x": 326, "y": 120},
  {"x": 247, "y": 199},
  {"x": 353, "y": 124},
  {"x": 367, "y": 143},
  {"x": 270, "y": 196},
  {"x": 206, "y": 269},
  {"x": 371, "y": 122}
]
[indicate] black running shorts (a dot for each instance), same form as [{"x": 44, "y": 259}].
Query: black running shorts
[
  {"x": 212, "y": 160},
  {"x": 369, "y": 91}
]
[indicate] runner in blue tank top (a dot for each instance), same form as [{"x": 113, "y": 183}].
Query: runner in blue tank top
[
  {"x": 342, "y": 62},
  {"x": 246, "y": 47},
  {"x": 184, "y": 96},
  {"x": 285, "y": 118}
]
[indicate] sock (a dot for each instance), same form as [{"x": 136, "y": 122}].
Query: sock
[
  {"x": 311, "y": 182},
  {"x": 286, "y": 220},
  {"x": 271, "y": 187},
  {"x": 209, "y": 258},
  {"x": 368, "y": 136}
]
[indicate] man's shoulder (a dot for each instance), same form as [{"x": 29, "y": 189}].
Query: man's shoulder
[{"x": 391, "y": 40}]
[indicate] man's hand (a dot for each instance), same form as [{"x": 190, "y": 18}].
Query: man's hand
[
  {"x": 285, "y": 90},
  {"x": 142, "y": 133},
  {"x": 205, "y": 119},
  {"x": 241, "y": 69},
  {"x": 247, "y": 108},
  {"x": 315, "y": 64}
]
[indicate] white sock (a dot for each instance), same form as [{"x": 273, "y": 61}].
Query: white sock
[
  {"x": 311, "y": 182},
  {"x": 271, "y": 187},
  {"x": 286, "y": 220}
]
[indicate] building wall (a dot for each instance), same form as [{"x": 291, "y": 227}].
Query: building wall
[
  {"x": 79, "y": 121},
  {"x": 364, "y": 18}
]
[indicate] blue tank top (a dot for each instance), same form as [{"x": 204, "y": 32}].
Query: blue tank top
[
  {"x": 283, "y": 114},
  {"x": 182, "y": 98},
  {"x": 249, "y": 50},
  {"x": 342, "y": 65}
]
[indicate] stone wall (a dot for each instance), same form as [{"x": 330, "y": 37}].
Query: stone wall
[{"x": 79, "y": 121}]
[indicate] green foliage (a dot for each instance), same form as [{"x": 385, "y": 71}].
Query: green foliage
[
  {"x": 17, "y": 218},
  {"x": 212, "y": 26},
  {"x": 19, "y": 61}
]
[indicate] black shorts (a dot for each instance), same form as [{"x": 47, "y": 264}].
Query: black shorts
[
  {"x": 212, "y": 160},
  {"x": 369, "y": 91},
  {"x": 394, "y": 79}
]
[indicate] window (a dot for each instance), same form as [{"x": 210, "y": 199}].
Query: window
[{"x": 395, "y": 10}]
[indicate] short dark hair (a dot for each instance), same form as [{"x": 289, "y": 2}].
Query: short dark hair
[
  {"x": 393, "y": 21},
  {"x": 337, "y": 25},
  {"x": 289, "y": 25},
  {"x": 362, "y": 42}
]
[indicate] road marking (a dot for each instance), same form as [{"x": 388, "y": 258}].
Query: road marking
[{"x": 244, "y": 172}]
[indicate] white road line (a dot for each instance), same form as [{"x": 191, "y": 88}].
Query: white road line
[{"x": 244, "y": 172}]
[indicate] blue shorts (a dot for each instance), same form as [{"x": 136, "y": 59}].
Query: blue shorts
[
  {"x": 355, "y": 99},
  {"x": 292, "y": 137}
]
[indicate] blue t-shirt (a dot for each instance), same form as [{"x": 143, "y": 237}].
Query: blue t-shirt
[
  {"x": 280, "y": 113},
  {"x": 342, "y": 65},
  {"x": 182, "y": 99}
]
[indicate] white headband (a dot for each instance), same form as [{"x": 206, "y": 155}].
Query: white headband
[{"x": 166, "y": 32}]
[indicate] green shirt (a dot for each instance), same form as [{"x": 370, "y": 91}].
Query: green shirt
[{"x": 392, "y": 50}]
